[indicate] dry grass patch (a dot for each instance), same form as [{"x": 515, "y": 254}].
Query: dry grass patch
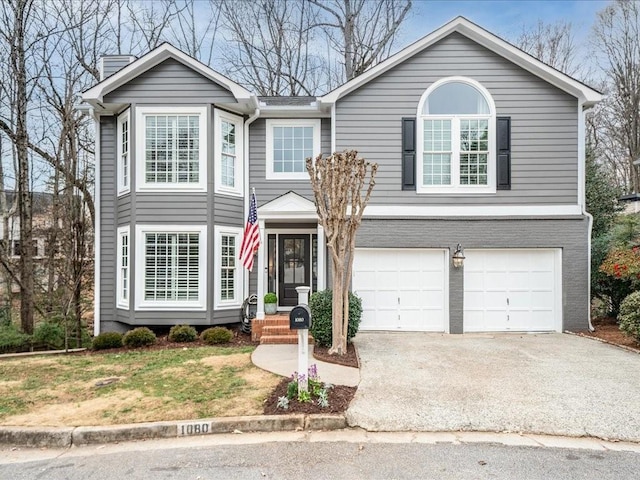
[{"x": 130, "y": 387}]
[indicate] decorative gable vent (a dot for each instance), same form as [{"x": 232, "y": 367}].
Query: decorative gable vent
[{"x": 110, "y": 64}]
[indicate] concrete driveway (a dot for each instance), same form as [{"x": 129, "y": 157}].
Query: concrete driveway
[{"x": 554, "y": 384}]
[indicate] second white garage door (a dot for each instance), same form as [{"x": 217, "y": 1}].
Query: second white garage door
[
  {"x": 401, "y": 289},
  {"x": 512, "y": 290}
]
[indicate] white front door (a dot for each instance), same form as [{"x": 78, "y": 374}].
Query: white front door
[
  {"x": 512, "y": 290},
  {"x": 401, "y": 289}
]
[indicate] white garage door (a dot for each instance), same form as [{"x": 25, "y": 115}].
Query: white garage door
[
  {"x": 401, "y": 289},
  {"x": 512, "y": 290}
]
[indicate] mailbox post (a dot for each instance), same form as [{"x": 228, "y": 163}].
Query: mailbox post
[{"x": 300, "y": 319}]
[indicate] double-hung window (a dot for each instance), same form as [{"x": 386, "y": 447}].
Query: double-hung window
[
  {"x": 289, "y": 144},
  {"x": 170, "y": 267},
  {"x": 123, "y": 145},
  {"x": 228, "y": 157},
  {"x": 122, "y": 274},
  {"x": 456, "y": 138},
  {"x": 171, "y": 148},
  {"x": 228, "y": 270}
]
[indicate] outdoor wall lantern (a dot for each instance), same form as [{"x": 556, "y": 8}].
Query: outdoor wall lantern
[{"x": 458, "y": 257}]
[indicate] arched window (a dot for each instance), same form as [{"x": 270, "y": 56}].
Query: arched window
[{"x": 456, "y": 138}]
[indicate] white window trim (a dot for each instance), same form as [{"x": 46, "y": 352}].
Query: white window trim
[
  {"x": 455, "y": 186},
  {"x": 140, "y": 302},
  {"x": 123, "y": 187},
  {"x": 220, "y": 304},
  {"x": 270, "y": 124},
  {"x": 121, "y": 301},
  {"x": 238, "y": 190},
  {"x": 141, "y": 184}
]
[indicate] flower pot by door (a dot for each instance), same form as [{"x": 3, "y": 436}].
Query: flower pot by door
[{"x": 270, "y": 308}]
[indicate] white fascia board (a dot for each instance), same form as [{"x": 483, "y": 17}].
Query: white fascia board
[
  {"x": 153, "y": 58},
  {"x": 406, "y": 211},
  {"x": 529, "y": 63},
  {"x": 484, "y": 38}
]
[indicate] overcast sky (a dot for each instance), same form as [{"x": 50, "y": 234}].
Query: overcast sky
[{"x": 504, "y": 18}]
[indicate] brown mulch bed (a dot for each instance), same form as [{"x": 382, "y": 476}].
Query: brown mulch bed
[
  {"x": 350, "y": 359},
  {"x": 607, "y": 329},
  {"x": 163, "y": 343},
  {"x": 339, "y": 399}
]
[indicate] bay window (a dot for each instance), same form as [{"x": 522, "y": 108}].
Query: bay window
[{"x": 171, "y": 148}]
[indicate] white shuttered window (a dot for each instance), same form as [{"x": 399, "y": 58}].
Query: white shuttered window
[{"x": 171, "y": 267}]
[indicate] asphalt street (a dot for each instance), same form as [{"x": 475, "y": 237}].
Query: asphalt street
[{"x": 293, "y": 457}]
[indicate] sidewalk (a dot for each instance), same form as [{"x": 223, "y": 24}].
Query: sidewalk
[{"x": 283, "y": 360}]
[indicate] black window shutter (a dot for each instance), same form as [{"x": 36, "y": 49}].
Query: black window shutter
[
  {"x": 409, "y": 153},
  {"x": 503, "y": 140}
]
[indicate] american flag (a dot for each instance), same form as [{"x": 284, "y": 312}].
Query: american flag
[{"x": 251, "y": 238}]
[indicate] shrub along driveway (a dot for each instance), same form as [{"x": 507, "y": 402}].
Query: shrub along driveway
[{"x": 550, "y": 383}]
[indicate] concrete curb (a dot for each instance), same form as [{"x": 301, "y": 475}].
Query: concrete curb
[
  {"x": 36, "y": 436},
  {"x": 64, "y": 437}
]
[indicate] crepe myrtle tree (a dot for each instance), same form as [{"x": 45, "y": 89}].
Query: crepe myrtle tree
[{"x": 341, "y": 191}]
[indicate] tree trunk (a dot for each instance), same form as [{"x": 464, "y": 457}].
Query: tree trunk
[
  {"x": 348, "y": 39},
  {"x": 23, "y": 183},
  {"x": 338, "y": 340}
]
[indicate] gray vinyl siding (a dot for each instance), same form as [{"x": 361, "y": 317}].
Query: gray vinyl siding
[
  {"x": 267, "y": 190},
  {"x": 107, "y": 240},
  {"x": 544, "y": 129},
  {"x": 569, "y": 234},
  {"x": 124, "y": 210},
  {"x": 171, "y": 208},
  {"x": 113, "y": 63},
  {"x": 170, "y": 83},
  {"x": 228, "y": 211}
]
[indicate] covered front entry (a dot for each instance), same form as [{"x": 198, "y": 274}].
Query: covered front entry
[
  {"x": 402, "y": 289},
  {"x": 292, "y": 262},
  {"x": 292, "y": 250}
]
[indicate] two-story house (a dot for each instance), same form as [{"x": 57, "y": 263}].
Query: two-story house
[{"x": 478, "y": 144}]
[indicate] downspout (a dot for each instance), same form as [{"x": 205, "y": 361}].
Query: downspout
[
  {"x": 582, "y": 186},
  {"x": 96, "y": 227},
  {"x": 249, "y": 121}
]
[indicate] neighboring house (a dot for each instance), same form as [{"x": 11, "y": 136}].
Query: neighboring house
[
  {"x": 630, "y": 202},
  {"x": 478, "y": 144},
  {"x": 42, "y": 205}
]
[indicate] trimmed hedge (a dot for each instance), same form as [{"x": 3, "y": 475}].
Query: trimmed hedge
[
  {"x": 183, "y": 333},
  {"x": 629, "y": 316},
  {"x": 320, "y": 305},
  {"x": 107, "y": 340},
  {"x": 139, "y": 337},
  {"x": 216, "y": 335}
]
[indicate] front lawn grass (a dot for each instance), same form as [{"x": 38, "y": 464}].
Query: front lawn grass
[{"x": 130, "y": 387}]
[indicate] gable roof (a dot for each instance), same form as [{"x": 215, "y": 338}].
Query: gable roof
[
  {"x": 153, "y": 58},
  {"x": 290, "y": 205},
  {"x": 587, "y": 95}
]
